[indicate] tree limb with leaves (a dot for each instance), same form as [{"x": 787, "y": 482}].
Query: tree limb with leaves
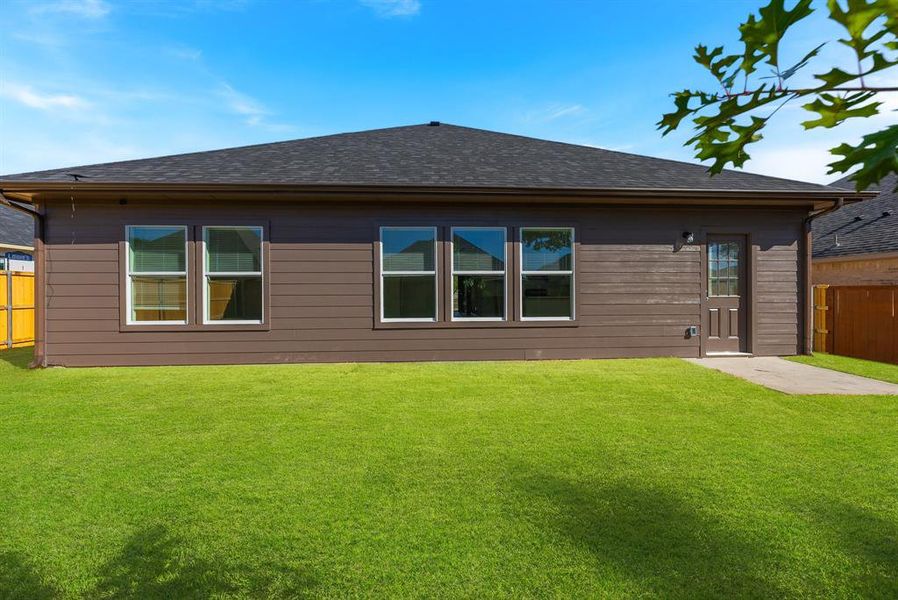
[{"x": 726, "y": 121}]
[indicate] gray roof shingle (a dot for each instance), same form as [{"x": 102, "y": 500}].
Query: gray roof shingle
[
  {"x": 422, "y": 155},
  {"x": 16, "y": 228},
  {"x": 860, "y": 228}
]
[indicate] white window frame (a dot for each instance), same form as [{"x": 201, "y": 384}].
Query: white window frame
[
  {"x": 129, "y": 274},
  {"x": 571, "y": 273},
  {"x": 206, "y": 274},
  {"x": 433, "y": 273},
  {"x": 503, "y": 273}
]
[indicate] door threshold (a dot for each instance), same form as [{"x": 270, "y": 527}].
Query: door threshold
[{"x": 728, "y": 354}]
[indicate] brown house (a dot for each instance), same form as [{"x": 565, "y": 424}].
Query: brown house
[
  {"x": 858, "y": 244},
  {"x": 427, "y": 242}
]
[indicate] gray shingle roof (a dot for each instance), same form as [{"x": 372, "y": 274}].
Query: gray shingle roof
[
  {"x": 16, "y": 228},
  {"x": 860, "y": 228},
  {"x": 422, "y": 155}
]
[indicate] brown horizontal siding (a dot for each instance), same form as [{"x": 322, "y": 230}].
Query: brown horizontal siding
[
  {"x": 329, "y": 256},
  {"x": 93, "y": 279},
  {"x": 638, "y": 288},
  {"x": 777, "y": 292},
  {"x": 490, "y": 343},
  {"x": 634, "y": 266},
  {"x": 360, "y": 335}
]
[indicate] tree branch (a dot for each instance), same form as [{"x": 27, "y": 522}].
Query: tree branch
[{"x": 802, "y": 91}]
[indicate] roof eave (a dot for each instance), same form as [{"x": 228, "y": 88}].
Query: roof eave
[{"x": 26, "y": 190}]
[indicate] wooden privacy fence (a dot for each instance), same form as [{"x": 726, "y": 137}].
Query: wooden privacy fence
[
  {"x": 857, "y": 321},
  {"x": 16, "y": 309}
]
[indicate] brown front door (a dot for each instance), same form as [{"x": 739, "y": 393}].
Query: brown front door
[{"x": 727, "y": 299}]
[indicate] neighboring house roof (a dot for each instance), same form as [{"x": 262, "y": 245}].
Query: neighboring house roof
[
  {"x": 422, "y": 155},
  {"x": 16, "y": 228},
  {"x": 869, "y": 226}
]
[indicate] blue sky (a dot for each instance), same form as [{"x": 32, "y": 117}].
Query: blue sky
[{"x": 85, "y": 81}]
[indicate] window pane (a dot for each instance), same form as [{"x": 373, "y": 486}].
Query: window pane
[
  {"x": 408, "y": 249},
  {"x": 713, "y": 250},
  {"x": 234, "y": 298},
  {"x": 547, "y": 249},
  {"x": 478, "y": 296},
  {"x": 157, "y": 249},
  {"x": 158, "y": 298},
  {"x": 233, "y": 250},
  {"x": 733, "y": 269},
  {"x": 734, "y": 287},
  {"x": 409, "y": 297},
  {"x": 546, "y": 296},
  {"x": 478, "y": 250}
]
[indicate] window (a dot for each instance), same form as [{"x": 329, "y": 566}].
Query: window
[
  {"x": 232, "y": 269},
  {"x": 478, "y": 273},
  {"x": 156, "y": 274},
  {"x": 408, "y": 282},
  {"x": 723, "y": 268},
  {"x": 547, "y": 273}
]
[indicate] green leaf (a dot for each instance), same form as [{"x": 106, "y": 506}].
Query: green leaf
[
  {"x": 877, "y": 154},
  {"x": 856, "y": 19},
  {"x": 733, "y": 107},
  {"x": 833, "y": 110},
  {"x": 729, "y": 151},
  {"x": 761, "y": 36},
  {"x": 835, "y": 77},
  {"x": 890, "y": 9},
  {"x": 719, "y": 67},
  {"x": 682, "y": 101}
]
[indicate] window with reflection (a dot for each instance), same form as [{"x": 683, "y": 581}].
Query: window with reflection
[
  {"x": 233, "y": 272},
  {"x": 478, "y": 273},
  {"x": 547, "y": 273},
  {"x": 157, "y": 274},
  {"x": 723, "y": 268},
  {"x": 408, "y": 273}
]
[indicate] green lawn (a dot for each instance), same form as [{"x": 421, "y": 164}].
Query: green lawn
[
  {"x": 864, "y": 368},
  {"x": 616, "y": 478}
]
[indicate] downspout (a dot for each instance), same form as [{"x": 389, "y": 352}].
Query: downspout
[
  {"x": 808, "y": 287},
  {"x": 40, "y": 314}
]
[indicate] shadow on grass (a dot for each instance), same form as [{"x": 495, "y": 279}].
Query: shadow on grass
[
  {"x": 153, "y": 564},
  {"x": 18, "y": 358},
  {"x": 869, "y": 539},
  {"x": 156, "y": 564},
  {"x": 19, "y": 579},
  {"x": 660, "y": 542}
]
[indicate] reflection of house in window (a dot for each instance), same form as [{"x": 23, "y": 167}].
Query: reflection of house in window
[
  {"x": 417, "y": 256},
  {"x": 471, "y": 257},
  {"x": 408, "y": 273},
  {"x": 164, "y": 252}
]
